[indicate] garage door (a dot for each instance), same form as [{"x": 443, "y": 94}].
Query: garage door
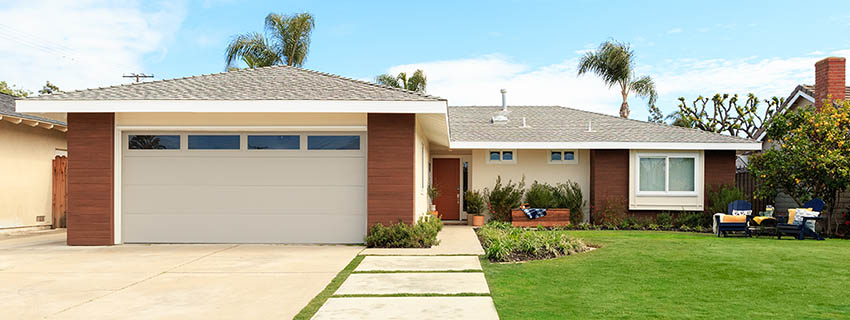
[{"x": 180, "y": 187}]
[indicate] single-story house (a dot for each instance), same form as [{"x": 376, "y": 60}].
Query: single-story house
[
  {"x": 28, "y": 145},
  {"x": 830, "y": 81},
  {"x": 288, "y": 155}
]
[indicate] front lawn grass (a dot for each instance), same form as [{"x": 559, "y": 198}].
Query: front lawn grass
[{"x": 646, "y": 274}]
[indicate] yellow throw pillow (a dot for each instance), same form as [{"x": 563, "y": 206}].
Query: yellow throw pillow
[{"x": 731, "y": 218}]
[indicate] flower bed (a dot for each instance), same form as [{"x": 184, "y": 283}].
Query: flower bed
[
  {"x": 505, "y": 243},
  {"x": 422, "y": 234}
]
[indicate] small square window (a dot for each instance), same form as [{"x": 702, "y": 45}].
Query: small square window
[
  {"x": 507, "y": 156},
  {"x": 495, "y": 156},
  {"x": 569, "y": 155},
  {"x": 563, "y": 157},
  {"x": 502, "y": 156},
  {"x": 556, "y": 156}
]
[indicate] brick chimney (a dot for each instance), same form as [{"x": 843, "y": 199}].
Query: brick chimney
[{"x": 829, "y": 80}]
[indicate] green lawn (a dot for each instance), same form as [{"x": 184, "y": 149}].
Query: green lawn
[{"x": 644, "y": 274}]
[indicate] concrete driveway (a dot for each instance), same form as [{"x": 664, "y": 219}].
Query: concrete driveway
[{"x": 41, "y": 277}]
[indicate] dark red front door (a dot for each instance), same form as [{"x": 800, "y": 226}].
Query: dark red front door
[{"x": 447, "y": 180}]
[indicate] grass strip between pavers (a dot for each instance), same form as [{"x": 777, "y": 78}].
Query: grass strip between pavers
[
  {"x": 421, "y": 255},
  {"x": 420, "y": 271},
  {"x": 311, "y": 308},
  {"x": 462, "y": 294}
]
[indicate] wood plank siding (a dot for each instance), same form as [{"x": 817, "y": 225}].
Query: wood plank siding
[
  {"x": 90, "y": 178},
  {"x": 391, "y": 170}
]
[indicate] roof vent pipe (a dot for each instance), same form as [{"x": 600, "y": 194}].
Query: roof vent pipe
[
  {"x": 504, "y": 102},
  {"x": 523, "y": 123}
]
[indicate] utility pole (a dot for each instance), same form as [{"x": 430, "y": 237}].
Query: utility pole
[{"x": 138, "y": 76}]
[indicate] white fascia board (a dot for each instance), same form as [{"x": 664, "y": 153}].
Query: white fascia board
[
  {"x": 606, "y": 145},
  {"x": 800, "y": 94},
  {"x": 319, "y": 106}
]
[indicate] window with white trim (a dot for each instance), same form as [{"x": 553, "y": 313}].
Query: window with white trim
[
  {"x": 501, "y": 156},
  {"x": 563, "y": 156},
  {"x": 666, "y": 174}
]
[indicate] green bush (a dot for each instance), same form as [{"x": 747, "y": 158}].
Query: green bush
[
  {"x": 422, "y": 234},
  {"x": 503, "y": 242},
  {"x": 475, "y": 202},
  {"x": 720, "y": 197},
  {"x": 503, "y": 198},
  {"x": 541, "y": 195},
  {"x": 568, "y": 195},
  {"x": 664, "y": 219},
  {"x": 693, "y": 219},
  {"x": 612, "y": 213}
]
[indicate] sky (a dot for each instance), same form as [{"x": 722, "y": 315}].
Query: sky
[{"x": 468, "y": 50}]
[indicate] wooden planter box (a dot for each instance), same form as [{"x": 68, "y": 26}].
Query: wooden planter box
[{"x": 555, "y": 217}]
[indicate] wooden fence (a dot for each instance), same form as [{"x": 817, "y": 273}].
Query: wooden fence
[
  {"x": 60, "y": 191},
  {"x": 747, "y": 184}
]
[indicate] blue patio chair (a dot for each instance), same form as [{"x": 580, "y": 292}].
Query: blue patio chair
[
  {"x": 802, "y": 230},
  {"x": 724, "y": 227}
]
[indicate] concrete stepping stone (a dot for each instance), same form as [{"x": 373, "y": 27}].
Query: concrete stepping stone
[
  {"x": 414, "y": 283},
  {"x": 408, "y": 308},
  {"x": 419, "y": 263}
]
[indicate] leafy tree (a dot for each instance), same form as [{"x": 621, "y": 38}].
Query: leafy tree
[
  {"x": 11, "y": 90},
  {"x": 416, "y": 82},
  {"x": 725, "y": 115},
  {"x": 287, "y": 42},
  {"x": 810, "y": 157},
  {"x": 655, "y": 115},
  {"x": 614, "y": 62},
  {"x": 49, "y": 88}
]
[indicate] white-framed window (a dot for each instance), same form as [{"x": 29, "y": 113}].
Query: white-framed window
[
  {"x": 666, "y": 174},
  {"x": 501, "y": 156},
  {"x": 562, "y": 156}
]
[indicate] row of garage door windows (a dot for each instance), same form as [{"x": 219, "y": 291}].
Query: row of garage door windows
[{"x": 233, "y": 142}]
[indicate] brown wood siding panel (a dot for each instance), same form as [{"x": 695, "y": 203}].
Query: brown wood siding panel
[
  {"x": 90, "y": 178},
  {"x": 719, "y": 170},
  {"x": 609, "y": 176},
  {"x": 391, "y": 169}
]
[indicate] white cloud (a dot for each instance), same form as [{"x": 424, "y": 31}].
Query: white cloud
[
  {"x": 476, "y": 81},
  {"x": 82, "y": 44},
  {"x": 675, "y": 30}
]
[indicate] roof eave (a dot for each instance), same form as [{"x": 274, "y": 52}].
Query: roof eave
[
  {"x": 607, "y": 145},
  {"x": 314, "y": 106}
]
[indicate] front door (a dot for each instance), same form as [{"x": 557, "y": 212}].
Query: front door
[{"x": 447, "y": 182}]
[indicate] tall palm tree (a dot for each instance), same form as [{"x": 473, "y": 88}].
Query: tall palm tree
[
  {"x": 288, "y": 42},
  {"x": 416, "y": 82},
  {"x": 614, "y": 63}
]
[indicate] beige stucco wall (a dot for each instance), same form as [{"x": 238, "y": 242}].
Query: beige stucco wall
[
  {"x": 26, "y": 174},
  {"x": 422, "y": 171},
  {"x": 239, "y": 119},
  {"x": 695, "y": 203},
  {"x": 534, "y": 165}
]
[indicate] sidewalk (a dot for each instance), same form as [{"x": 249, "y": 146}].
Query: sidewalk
[{"x": 454, "y": 240}]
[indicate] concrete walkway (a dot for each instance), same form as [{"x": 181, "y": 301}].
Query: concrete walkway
[{"x": 442, "y": 282}]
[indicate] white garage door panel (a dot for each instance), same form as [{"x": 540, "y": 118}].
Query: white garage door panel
[
  {"x": 283, "y": 200},
  {"x": 243, "y": 196},
  {"x": 149, "y": 228},
  {"x": 217, "y": 170}
]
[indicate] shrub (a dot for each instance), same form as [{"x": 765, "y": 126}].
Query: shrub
[
  {"x": 664, "y": 219},
  {"x": 541, "y": 195},
  {"x": 422, "y": 234},
  {"x": 475, "y": 202},
  {"x": 612, "y": 212},
  {"x": 503, "y": 198},
  {"x": 720, "y": 197},
  {"x": 502, "y": 242},
  {"x": 693, "y": 219},
  {"x": 568, "y": 195}
]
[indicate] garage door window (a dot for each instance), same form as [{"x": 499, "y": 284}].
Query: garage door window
[
  {"x": 154, "y": 142},
  {"x": 213, "y": 142},
  {"x": 274, "y": 142},
  {"x": 333, "y": 142}
]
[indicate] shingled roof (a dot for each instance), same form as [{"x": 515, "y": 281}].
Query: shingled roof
[
  {"x": 266, "y": 83},
  {"x": 7, "y": 108},
  {"x": 559, "y": 124}
]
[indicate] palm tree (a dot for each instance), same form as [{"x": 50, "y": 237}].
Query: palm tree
[
  {"x": 288, "y": 42},
  {"x": 614, "y": 62},
  {"x": 416, "y": 82}
]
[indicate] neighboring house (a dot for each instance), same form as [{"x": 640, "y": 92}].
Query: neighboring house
[
  {"x": 829, "y": 83},
  {"x": 28, "y": 144},
  {"x": 288, "y": 155}
]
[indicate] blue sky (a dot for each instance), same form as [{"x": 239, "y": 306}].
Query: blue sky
[{"x": 469, "y": 50}]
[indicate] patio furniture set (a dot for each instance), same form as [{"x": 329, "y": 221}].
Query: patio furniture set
[{"x": 799, "y": 222}]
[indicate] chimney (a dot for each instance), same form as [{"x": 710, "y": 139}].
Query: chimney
[
  {"x": 505, "y": 102},
  {"x": 829, "y": 80}
]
